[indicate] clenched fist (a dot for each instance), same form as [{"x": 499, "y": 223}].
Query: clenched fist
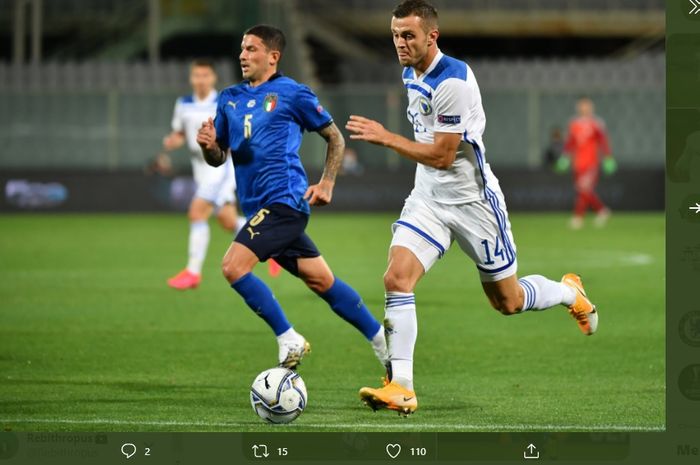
[{"x": 206, "y": 137}]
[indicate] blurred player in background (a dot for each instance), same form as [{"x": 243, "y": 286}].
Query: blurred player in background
[
  {"x": 587, "y": 139},
  {"x": 456, "y": 197},
  {"x": 262, "y": 120},
  {"x": 215, "y": 186}
]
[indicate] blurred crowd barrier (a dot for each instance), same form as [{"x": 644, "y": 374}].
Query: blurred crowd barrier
[{"x": 632, "y": 189}]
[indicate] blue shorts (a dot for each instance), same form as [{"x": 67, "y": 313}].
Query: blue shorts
[{"x": 277, "y": 231}]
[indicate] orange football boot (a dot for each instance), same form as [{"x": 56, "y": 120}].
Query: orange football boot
[
  {"x": 582, "y": 310},
  {"x": 273, "y": 268},
  {"x": 392, "y": 396}
]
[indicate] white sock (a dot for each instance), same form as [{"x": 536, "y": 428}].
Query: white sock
[
  {"x": 542, "y": 293},
  {"x": 401, "y": 328},
  {"x": 289, "y": 336},
  {"x": 199, "y": 242},
  {"x": 240, "y": 222},
  {"x": 379, "y": 345}
]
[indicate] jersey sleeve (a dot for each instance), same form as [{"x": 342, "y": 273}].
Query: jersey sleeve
[
  {"x": 452, "y": 102},
  {"x": 309, "y": 112},
  {"x": 221, "y": 126},
  {"x": 177, "y": 124}
]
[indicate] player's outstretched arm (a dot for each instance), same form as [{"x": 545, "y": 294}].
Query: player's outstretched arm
[
  {"x": 321, "y": 194},
  {"x": 173, "y": 141},
  {"x": 440, "y": 154},
  {"x": 206, "y": 138}
]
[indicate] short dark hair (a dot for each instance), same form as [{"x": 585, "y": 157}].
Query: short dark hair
[
  {"x": 203, "y": 63},
  {"x": 271, "y": 37},
  {"x": 420, "y": 8}
]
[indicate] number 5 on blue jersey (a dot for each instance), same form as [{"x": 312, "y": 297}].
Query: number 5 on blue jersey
[{"x": 247, "y": 126}]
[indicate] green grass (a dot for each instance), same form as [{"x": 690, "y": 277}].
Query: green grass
[{"x": 92, "y": 339}]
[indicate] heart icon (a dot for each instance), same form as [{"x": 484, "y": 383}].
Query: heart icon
[{"x": 393, "y": 450}]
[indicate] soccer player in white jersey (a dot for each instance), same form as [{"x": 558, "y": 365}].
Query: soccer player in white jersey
[
  {"x": 215, "y": 186},
  {"x": 456, "y": 197}
]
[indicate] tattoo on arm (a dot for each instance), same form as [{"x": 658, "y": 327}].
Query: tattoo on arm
[
  {"x": 215, "y": 157},
  {"x": 334, "y": 152}
]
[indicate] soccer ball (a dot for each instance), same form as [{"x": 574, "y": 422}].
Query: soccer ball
[{"x": 278, "y": 395}]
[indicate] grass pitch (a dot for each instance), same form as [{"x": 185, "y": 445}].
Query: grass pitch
[{"x": 92, "y": 339}]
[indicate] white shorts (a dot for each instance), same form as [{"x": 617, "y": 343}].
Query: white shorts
[
  {"x": 214, "y": 184},
  {"x": 481, "y": 229}
]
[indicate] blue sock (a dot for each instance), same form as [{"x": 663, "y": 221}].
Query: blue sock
[
  {"x": 260, "y": 299},
  {"x": 348, "y": 305}
]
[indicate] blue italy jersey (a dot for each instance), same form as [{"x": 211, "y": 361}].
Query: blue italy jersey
[{"x": 263, "y": 127}]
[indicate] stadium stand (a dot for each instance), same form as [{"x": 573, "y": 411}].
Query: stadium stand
[
  {"x": 106, "y": 89},
  {"x": 125, "y": 107}
]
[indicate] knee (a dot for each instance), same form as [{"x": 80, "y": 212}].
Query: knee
[
  {"x": 319, "y": 284},
  {"x": 196, "y": 215},
  {"x": 232, "y": 270},
  {"x": 507, "y": 306},
  {"x": 396, "y": 282},
  {"x": 227, "y": 222}
]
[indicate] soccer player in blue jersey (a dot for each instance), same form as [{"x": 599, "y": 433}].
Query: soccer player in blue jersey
[{"x": 261, "y": 120}]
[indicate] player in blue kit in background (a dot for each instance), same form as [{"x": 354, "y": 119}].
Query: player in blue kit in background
[{"x": 262, "y": 121}]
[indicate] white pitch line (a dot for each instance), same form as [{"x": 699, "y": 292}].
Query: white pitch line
[
  {"x": 606, "y": 260},
  {"x": 402, "y": 424}
]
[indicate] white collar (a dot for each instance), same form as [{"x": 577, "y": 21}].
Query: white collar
[{"x": 209, "y": 98}]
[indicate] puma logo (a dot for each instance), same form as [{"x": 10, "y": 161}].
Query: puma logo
[
  {"x": 252, "y": 233},
  {"x": 233, "y": 104}
]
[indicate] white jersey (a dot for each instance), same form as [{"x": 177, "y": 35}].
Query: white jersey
[
  {"x": 214, "y": 184},
  {"x": 190, "y": 113},
  {"x": 446, "y": 98}
]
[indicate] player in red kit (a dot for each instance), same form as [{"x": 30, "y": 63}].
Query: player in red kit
[{"x": 587, "y": 139}]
